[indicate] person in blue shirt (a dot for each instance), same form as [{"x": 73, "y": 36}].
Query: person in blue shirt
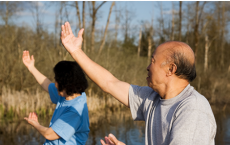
[{"x": 70, "y": 122}]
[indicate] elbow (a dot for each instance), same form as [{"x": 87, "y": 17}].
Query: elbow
[{"x": 51, "y": 136}]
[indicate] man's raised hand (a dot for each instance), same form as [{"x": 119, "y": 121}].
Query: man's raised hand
[
  {"x": 27, "y": 60},
  {"x": 71, "y": 42}
]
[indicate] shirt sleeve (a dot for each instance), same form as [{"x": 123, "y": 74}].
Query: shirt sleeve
[
  {"x": 66, "y": 125},
  {"x": 192, "y": 127},
  {"x": 137, "y": 97},
  {"x": 53, "y": 92}
]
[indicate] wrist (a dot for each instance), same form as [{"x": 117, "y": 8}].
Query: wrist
[
  {"x": 76, "y": 52},
  {"x": 31, "y": 68}
]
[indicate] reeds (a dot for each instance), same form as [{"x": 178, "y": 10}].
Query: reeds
[{"x": 19, "y": 104}]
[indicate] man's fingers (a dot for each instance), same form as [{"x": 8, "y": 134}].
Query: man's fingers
[
  {"x": 26, "y": 118},
  {"x": 66, "y": 28},
  {"x": 32, "y": 57},
  {"x": 63, "y": 33},
  {"x": 107, "y": 140},
  {"x": 113, "y": 138},
  {"x": 62, "y": 28},
  {"x": 80, "y": 33},
  {"x": 69, "y": 28},
  {"x": 30, "y": 115},
  {"x": 102, "y": 142}
]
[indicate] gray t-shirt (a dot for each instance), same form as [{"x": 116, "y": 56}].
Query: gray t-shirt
[{"x": 186, "y": 119}]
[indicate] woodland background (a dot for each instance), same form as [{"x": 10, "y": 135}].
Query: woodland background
[{"x": 124, "y": 50}]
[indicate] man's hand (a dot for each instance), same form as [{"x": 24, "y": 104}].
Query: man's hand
[
  {"x": 111, "y": 140},
  {"x": 27, "y": 60},
  {"x": 32, "y": 119},
  {"x": 71, "y": 42}
]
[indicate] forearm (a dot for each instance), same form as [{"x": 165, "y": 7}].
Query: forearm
[
  {"x": 103, "y": 78},
  {"x": 41, "y": 79},
  {"x": 48, "y": 133}
]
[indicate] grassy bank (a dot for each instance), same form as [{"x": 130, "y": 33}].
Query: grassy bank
[{"x": 16, "y": 105}]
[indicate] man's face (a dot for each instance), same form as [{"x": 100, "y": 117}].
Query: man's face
[{"x": 157, "y": 69}]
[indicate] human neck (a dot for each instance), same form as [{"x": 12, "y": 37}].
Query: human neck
[
  {"x": 72, "y": 96},
  {"x": 173, "y": 89}
]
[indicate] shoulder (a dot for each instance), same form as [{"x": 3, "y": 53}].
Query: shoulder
[
  {"x": 143, "y": 92},
  {"x": 196, "y": 102},
  {"x": 79, "y": 104}
]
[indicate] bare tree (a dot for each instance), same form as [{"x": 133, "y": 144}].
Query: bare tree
[
  {"x": 173, "y": 23},
  {"x": 117, "y": 21},
  {"x": 199, "y": 12},
  {"x": 78, "y": 14},
  {"x": 9, "y": 9},
  {"x": 93, "y": 16},
  {"x": 222, "y": 29},
  {"x": 150, "y": 43},
  {"x": 83, "y": 21},
  {"x": 37, "y": 9},
  {"x": 180, "y": 19},
  {"x": 106, "y": 28},
  {"x": 139, "y": 44}
]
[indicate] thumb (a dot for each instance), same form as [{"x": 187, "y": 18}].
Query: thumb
[
  {"x": 80, "y": 33},
  {"x": 113, "y": 138},
  {"x": 32, "y": 57}
]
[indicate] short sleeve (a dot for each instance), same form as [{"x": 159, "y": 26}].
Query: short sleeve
[
  {"x": 66, "y": 125},
  {"x": 137, "y": 98},
  {"x": 53, "y": 92}
]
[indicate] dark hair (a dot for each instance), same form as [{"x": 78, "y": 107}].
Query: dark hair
[
  {"x": 185, "y": 69},
  {"x": 70, "y": 77}
]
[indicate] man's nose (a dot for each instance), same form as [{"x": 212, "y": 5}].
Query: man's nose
[{"x": 148, "y": 68}]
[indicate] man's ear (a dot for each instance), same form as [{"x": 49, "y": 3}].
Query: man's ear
[{"x": 172, "y": 69}]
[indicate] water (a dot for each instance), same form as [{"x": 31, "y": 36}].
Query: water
[{"x": 102, "y": 123}]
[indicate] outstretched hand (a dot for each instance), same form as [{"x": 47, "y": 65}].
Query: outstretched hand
[
  {"x": 27, "y": 60},
  {"x": 32, "y": 119},
  {"x": 71, "y": 42},
  {"x": 111, "y": 140}
]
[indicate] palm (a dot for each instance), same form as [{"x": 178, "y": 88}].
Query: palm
[
  {"x": 27, "y": 60},
  {"x": 71, "y": 42},
  {"x": 32, "y": 119}
]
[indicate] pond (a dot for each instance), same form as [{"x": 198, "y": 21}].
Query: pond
[{"x": 102, "y": 123}]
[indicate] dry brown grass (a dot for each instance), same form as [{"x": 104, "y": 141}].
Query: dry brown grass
[{"x": 15, "y": 103}]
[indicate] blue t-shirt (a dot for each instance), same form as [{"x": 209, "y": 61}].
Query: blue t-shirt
[{"x": 70, "y": 119}]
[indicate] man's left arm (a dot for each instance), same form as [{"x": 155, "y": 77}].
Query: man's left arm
[
  {"x": 192, "y": 127},
  {"x": 48, "y": 133}
]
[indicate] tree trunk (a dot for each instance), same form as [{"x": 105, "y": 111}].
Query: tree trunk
[
  {"x": 78, "y": 14},
  {"x": 206, "y": 53},
  {"x": 83, "y": 21},
  {"x": 172, "y": 32},
  {"x": 139, "y": 44},
  {"x": 106, "y": 28},
  {"x": 93, "y": 26},
  {"x": 7, "y": 14},
  {"x": 222, "y": 35},
  {"x": 196, "y": 34},
  {"x": 150, "y": 42},
  {"x": 116, "y": 27},
  {"x": 94, "y": 12},
  {"x": 180, "y": 19}
]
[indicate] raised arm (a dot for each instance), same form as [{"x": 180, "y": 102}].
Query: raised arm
[
  {"x": 29, "y": 63},
  {"x": 103, "y": 78}
]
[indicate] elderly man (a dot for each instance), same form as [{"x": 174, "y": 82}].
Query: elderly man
[{"x": 174, "y": 112}]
